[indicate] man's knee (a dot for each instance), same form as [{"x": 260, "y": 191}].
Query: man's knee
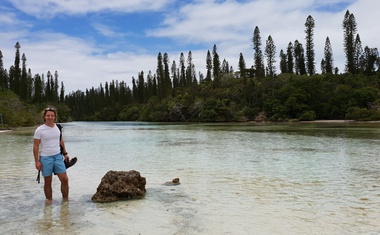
[{"x": 63, "y": 178}]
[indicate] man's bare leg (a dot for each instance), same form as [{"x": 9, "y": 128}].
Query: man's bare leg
[
  {"x": 64, "y": 185},
  {"x": 47, "y": 188}
]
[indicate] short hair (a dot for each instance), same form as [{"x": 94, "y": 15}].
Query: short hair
[{"x": 47, "y": 109}]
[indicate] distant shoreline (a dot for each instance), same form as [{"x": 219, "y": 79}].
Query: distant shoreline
[
  {"x": 28, "y": 129},
  {"x": 338, "y": 121},
  {"x": 4, "y": 131}
]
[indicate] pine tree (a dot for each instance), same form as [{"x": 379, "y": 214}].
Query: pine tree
[
  {"x": 358, "y": 55},
  {"x": 216, "y": 66},
  {"x": 328, "y": 57},
  {"x": 349, "y": 31},
  {"x": 283, "y": 62},
  {"x": 190, "y": 73},
  {"x": 242, "y": 65},
  {"x": 289, "y": 59},
  {"x": 15, "y": 72},
  {"x": 270, "y": 53},
  {"x": 258, "y": 54},
  {"x": 29, "y": 86},
  {"x": 3, "y": 80},
  {"x": 182, "y": 68},
  {"x": 141, "y": 88},
  {"x": 160, "y": 76},
  {"x": 310, "y": 63},
  {"x": 370, "y": 60},
  {"x": 55, "y": 87},
  {"x": 174, "y": 75},
  {"x": 150, "y": 87},
  {"x": 208, "y": 66},
  {"x": 23, "y": 86},
  {"x": 62, "y": 93},
  {"x": 323, "y": 66},
  {"x": 168, "y": 81},
  {"x": 299, "y": 58},
  {"x": 38, "y": 89}
]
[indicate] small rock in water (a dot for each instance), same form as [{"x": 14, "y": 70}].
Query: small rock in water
[{"x": 174, "y": 182}]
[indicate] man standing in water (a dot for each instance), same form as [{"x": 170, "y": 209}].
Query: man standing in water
[{"x": 47, "y": 154}]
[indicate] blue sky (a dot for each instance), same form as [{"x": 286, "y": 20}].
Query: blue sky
[{"x": 93, "y": 41}]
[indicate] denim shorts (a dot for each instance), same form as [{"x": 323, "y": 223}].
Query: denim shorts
[{"x": 52, "y": 164}]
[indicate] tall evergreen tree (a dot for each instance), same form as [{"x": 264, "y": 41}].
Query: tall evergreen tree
[
  {"x": 135, "y": 91},
  {"x": 168, "y": 81},
  {"x": 141, "y": 88},
  {"x": 258, "y": 54},
  {"x": 349, "y": 32},
  {"x": 150, "y": 86},
  {"x": 29, "y": 86},
  {"x": 310, "y": 63},
  {"x": 174, "y": 75},
  {"x": 242, "y": 65},
  {"x": 182, "y": 68},
  {"x": 299, "y": 58},
  {"x": 38, "y": 89},
  {"x": 328, "y": 57},
  {"x": 23, "y": 89},
  {"x": 190, "y": 73},
  {"x": 283, "y": 62},
  {"x": 270, "y": 53},
  {"x": 160, "y": 76},
  {"x": 370, "y": 60},
  {"x": 3, "y": 80},
  {"x": 289, "y": 58},
  {"x": 56, "y": 87},
  {"x": 323, "y": 66},
  {"x": 358, "y": 55},
  {"x": 225, "y": 68},
  {"x": 216, "y": 66},
  {"x": 208, "y": 66},
  {"x": 62, "y": 93},
  {"x": 15, "y": 71}
]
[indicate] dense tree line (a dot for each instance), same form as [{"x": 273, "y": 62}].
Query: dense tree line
[
  {"x": 177, "y": 92},
  {"x": 23, "y": 95}
]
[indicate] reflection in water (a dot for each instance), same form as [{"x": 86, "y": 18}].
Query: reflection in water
[
  {"x": 46, "y": 223},
  {"x": 55, "y": 219},
  {"x": 64, "y": 214}
]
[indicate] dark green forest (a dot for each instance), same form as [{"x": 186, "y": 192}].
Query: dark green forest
[{"x": 176, "y": 92}]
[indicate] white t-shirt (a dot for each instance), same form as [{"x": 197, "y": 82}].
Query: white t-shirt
[{"x": 49, "y": 137}]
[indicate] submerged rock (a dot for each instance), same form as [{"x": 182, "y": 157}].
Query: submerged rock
[
  {"x": 174, "y": 182},
  {"x": 120, "y": 185}
]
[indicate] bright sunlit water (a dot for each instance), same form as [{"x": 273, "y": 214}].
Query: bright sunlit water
[{"x": 235, "y": 179}]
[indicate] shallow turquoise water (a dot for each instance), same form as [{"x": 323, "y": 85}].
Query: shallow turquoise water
[{"x": 235, "y": 179}]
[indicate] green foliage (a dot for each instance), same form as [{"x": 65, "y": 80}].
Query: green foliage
[
  {"x": 14, "y": 112},
  {"x": 129, "y": 113},
  {"x": 362, "y": 114}
]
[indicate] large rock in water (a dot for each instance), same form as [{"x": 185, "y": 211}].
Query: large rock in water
[{"x": 120, "y": 185}]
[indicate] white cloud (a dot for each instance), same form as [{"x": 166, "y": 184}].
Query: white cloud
[{"x": 51, "y": 8}]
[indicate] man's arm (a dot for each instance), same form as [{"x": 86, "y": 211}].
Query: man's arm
[
  {"x": 62, "y": 143},
  {"x": 36, "y": 153}
]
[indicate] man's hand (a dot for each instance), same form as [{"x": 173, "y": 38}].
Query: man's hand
[
  {"x": 67, "y": 158},
  {"x": 39, "y": 166}
]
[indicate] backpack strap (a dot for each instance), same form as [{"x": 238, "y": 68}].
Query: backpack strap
[
  {"x": 60, "y": 136},
  {"x": 60, "y": 129}
]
